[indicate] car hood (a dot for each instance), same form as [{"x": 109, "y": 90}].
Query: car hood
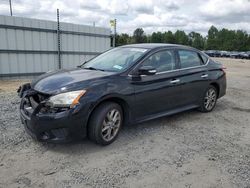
[{"x": 67, "y": 80}]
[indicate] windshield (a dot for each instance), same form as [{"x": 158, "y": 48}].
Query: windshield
[{"x": 115, "y": 60}]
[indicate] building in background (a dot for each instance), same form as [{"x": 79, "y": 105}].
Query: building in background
[{"x": 30, "y": 47}]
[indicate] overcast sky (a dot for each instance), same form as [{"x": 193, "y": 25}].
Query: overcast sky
[{"x": 151, "y": 15}]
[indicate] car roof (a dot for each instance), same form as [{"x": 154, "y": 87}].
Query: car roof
[{"x": 154, "y": 45}]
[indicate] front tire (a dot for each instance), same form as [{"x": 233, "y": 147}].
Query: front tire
[
  {"x": 105, "y": 123},
  {"x": 209, "y": 99}
]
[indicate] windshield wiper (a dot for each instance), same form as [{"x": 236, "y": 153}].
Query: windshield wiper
[
  {"x": 92, "y": 68},
  {"x": 80, "y": 66}
]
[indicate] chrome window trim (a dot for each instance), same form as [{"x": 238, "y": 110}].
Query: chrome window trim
[
  {"x": 157, "y": 73},
  {"x": 184, "y": 68}
]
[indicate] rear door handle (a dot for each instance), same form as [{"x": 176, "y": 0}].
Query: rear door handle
[
  {"x": 174, "y": 81},
  {"x": 204, "y": 75}
]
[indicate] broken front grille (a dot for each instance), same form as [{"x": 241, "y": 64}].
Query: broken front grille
[{"x": 31, "y": 101}]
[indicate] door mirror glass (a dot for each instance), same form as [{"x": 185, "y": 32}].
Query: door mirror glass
[{"x": 147, "y": 70}]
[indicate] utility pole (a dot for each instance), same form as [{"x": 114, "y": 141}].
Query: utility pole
[
  {"x": 113, "y": 24},
  {"x": 10, "y": 8}
]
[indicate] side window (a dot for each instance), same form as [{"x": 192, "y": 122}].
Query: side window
[
  {"x": 189, "y": 59},
  {"x": 161, "y": 61}
]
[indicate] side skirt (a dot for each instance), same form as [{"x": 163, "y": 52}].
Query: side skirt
[{"x": 166, "y": 113}]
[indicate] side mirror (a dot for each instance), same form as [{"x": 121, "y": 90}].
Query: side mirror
[{"x": 147, "y": 70}]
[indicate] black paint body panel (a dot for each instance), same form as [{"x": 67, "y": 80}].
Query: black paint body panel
[{"x": 142, "y": 97}]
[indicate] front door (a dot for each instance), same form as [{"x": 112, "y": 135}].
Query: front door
[{"x": 161, "y": 92}]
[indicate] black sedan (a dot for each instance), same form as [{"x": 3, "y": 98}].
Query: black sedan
[{"x": 124, "y": 85}]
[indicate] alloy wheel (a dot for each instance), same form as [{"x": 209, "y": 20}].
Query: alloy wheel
[
  {"x": 210, "y": 99},
  {"x": 111, "y": 124}
]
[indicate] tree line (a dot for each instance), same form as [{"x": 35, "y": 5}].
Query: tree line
[{"x": 224, "y": 39}]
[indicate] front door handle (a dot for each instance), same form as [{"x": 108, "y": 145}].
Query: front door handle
[
  {"x": 204, "y": 75},
  {"x": 174, "y": 81}
]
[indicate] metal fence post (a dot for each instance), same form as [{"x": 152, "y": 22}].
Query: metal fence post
[
  {"x": 58, "y": 41},
  {"x": 114, "y": 32}
]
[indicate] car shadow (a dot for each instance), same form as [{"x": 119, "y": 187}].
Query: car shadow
[{"x": 130, "y": 133}]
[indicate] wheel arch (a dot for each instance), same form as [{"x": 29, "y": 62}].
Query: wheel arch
[
  {"x": 116, "y": 99},
  {"x": 217, "y": 86}
]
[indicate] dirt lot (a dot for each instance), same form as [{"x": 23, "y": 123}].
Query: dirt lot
[{"x": 190, "y": 149}]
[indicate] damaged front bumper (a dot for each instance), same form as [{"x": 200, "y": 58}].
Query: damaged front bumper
[{"x": 50, "y": 125}]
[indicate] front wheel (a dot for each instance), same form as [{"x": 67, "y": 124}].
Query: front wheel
[
  {"x": 105, "y": 123},
  {"x": 209, "y": 99}
]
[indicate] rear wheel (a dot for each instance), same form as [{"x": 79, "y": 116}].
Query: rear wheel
[
  {"x": 209, "y": 99},
  {"x": 105, "y": 123}
]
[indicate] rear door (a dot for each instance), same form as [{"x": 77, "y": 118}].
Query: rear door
[{"x": 194, "y": 76}]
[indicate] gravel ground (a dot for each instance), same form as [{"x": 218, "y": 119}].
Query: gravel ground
[{"x": 190, "y": 149}]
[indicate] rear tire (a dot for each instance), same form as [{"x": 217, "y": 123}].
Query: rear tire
[
  {"x": 105, "y": 123},
  {"x": 209, "y": 99}
]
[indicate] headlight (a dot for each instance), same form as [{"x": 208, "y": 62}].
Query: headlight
[{"x": 69, "y": 99}]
